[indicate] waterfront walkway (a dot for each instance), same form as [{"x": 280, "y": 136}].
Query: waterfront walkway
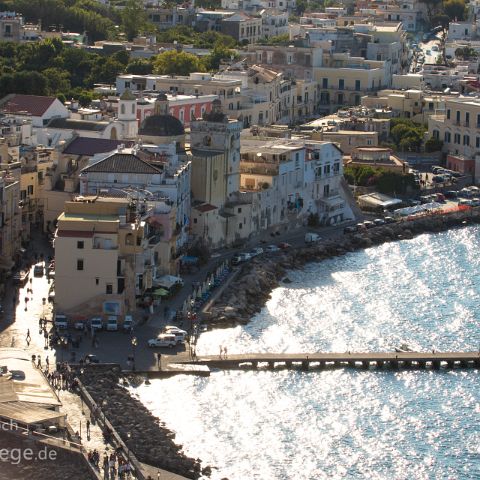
[{"x": 323, "y": 360}]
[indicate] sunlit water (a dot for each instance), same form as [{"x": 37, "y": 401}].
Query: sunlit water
[{"x": 339, "y": 424}]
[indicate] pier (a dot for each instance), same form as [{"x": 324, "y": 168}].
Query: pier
[{"x": 315, "y": 361}]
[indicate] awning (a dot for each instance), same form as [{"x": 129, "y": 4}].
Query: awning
[
  {"x": 161, "y": 292},
  {"x": 190, "y": 260},
  {"x": 167, "y": 281}
]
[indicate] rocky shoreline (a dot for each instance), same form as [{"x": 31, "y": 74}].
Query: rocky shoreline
[
  {"x": 248, "y": 294},
  {"x": 150, "y": 440}
]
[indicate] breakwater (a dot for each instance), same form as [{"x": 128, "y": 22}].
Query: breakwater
[
  {"x": 246, "y": 296},
  {"x": 144, "y": 435}
]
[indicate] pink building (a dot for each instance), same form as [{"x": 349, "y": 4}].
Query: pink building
[{"x": 183, "y": 107}]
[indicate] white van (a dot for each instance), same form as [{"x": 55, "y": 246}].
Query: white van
[
  {"x": 312, "y": 237},
  {"x": 61, "y": 321},
  {"x": 112, "y": 323}
]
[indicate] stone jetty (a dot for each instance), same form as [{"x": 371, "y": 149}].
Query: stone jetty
[
  {"x": 150, "y": 441},
  {"x": 249, "y": 293}
]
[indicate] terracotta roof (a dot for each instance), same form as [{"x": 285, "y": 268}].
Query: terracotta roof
[
  {"x": 72, "y": 124},
  {"x": 205, "y": 207},
  {"x": 122, "y": 163},
  {"x": 33, "y": 104},
  {"x": 90, "y": 146}
]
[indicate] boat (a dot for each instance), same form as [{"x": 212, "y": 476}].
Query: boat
[{"x": 403, "y": 348}]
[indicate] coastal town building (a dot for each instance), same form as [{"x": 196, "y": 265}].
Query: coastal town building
[
  {"x": 103, "y": 247},
  {"x": 40, "y": 110},
  {"x": 376, "y": 157},
  {"x": 458, "y": 127}
]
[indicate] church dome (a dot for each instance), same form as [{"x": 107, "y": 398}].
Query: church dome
[{"x": 161, "y": 126}]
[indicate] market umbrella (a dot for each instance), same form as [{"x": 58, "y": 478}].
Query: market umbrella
[{"x": 161, "y": 292}]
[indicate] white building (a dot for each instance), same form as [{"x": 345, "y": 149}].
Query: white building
[{"x": 40, "y": 110}]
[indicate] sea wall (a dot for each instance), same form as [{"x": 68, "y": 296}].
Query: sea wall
[
  {"x": 249, "y": 293},
  {"x": 150, "y": 441}
]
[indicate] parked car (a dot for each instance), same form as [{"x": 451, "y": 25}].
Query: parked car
[
  {"x": 21, "y": 277},
  {"x": 128, "y": 324},
  {"x": 163, "y": 340},
  {"x": 379, "y": 221},
  {"x": 180, "y": 335},
  {"x": 439, "y": 179},
  {"x": 451, "y": 194},
  {"x": 90, "y": 358},
  {"x": 96, "y": 323},
  {"x": 350, "y": 229},
  {"x": 440, "y": 197},
  {"x": 284, "y": 245},
  {"x": 60, "y": 321},
  {"x": 389, "y": 220},
  {"x": 256, "y": 251},
  {"x": 312, "y": 237},
  {"x": 240, "y": 258},
  {"x": 466, "y": 192},
  {"x": 271, "y": 249},
  {"x": 38, "y": 270},
  {"x": 368, "y": 224},
  {"x": 112, "y": 323}
]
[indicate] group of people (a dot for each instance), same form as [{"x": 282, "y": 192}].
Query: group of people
[
  {"x": 114, "y": 465},
  {"x": 223, "y": 352}
]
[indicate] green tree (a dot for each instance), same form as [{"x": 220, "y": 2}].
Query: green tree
[
  {"x": 173, "y": 62},
  {"x": 433, "y": 145},
  {"x": 400, "y": 131},
  {"x": 139, "y": 66},
  {"x": 218, "y": 54},
  {"x": 455, "y": 9},
  {"x": 134, "y": 18},
  {"x": 58, "y": 80}
]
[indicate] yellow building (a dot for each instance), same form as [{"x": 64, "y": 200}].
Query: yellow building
[
  {"x": 344, "y": 80},
  {"x": 106, "y": 250}
]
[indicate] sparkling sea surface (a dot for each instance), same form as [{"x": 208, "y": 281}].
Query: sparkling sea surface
[{"x": 345, "y": 424}]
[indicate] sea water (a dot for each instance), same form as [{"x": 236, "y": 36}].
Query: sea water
[{"x": 346, "y": 423}]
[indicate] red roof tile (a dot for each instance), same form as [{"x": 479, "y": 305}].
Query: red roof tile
[
  {"x": 205, "y": 207},
  {"x": 33, "y": 104}
]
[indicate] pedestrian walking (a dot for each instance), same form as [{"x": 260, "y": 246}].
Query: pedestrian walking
[
  {"x": 39, "y": 362},
  {"x": 47, "y": 362},
  {"x": 225, "y": 352},
  {"x": 221, "y": 351},
  {"x": 88, "y": 428},
  {"x": 28, "y": 338},
  {"x": 159, "y": 359}
]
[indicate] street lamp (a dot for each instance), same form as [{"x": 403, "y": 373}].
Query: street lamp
[
  {"x": 134, "y": 344},
  {"x": 104, "y": 405},
  {"x": 129, "y": 436}
]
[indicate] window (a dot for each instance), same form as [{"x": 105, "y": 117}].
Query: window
[
  {"x": 239, "y": 210},
  {"x": 80, "y": 244},
  {"x": 79, "y": 264},
  {"x": 122, "y": 108},
  {"x": 458, "y": 116},
  {"x": 30, "y": 189},
  {"x": 97, "y": 281},
  {"x": 357, "y": 85},
  {"x": 466, "y": 140},
  {"x": 324, "y": 82},
  {"x": 478, "y": 120},
  {"x": 448, "y": 114},
  {"x": 340, "y": 98},
  {"x": 477, "y": 142},
  {"x": 467, "y": 119},
  {"x": 108, "y": 288},
  {"x": 456, "y": 138},
  {"x": 341, "y": 84},
  {"x": 448, "y": 137}
]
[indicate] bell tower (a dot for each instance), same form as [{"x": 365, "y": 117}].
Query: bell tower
[{"x": 127, "y": 114}]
